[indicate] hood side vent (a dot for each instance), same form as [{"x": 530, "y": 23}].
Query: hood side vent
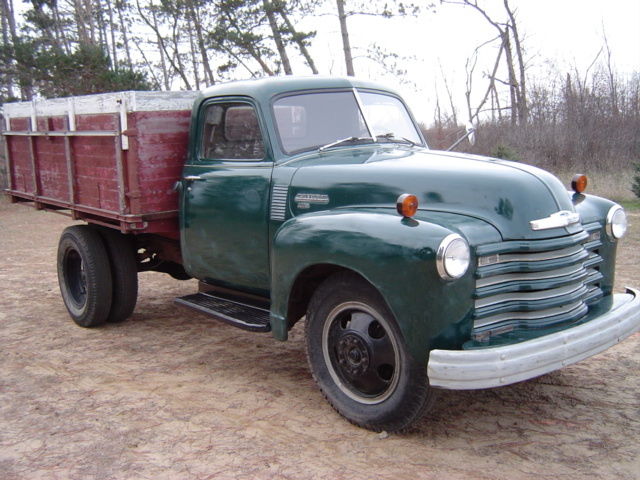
[{"x": 279, "y": 202}]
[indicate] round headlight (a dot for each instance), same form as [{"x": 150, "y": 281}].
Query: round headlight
[
  {"x": 452, "y": 258},
  {"x": 616, "y": 222}
]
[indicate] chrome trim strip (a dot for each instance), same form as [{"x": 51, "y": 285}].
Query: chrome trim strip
[
  {"x": 497, "y": 366},
  {"x": 367, "y": 124},
  {"x": 528, "y": 296},
  {"x": 529, "y": 276},
  {"x": 533, "y": 315},
  {"x": 563, "y": 218},
  {"x": 538, "y": 256},
  {"x": 544, "y": 245},
  {"x": 279, "y": 202}
]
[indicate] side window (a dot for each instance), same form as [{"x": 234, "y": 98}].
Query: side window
[{"x": 231, "y": 132}]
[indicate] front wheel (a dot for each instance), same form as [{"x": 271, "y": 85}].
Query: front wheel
[{"x": 359, "y": 359}]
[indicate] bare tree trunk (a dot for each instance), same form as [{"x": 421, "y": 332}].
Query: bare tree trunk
[
  {"x": 79, "y": 15},
  {"x": 299, "y": 41},
  {"x": 209, "y": 79},
  {"x": 613, "y": 90},
  {"x": 437, "y": 116},
  {"x": 8, "y": 16},
  {"x": 164, "y": 54},
  {"x": 342, "y": 17},
  {"x": 112, "y": 28},
  {"x": 123, "y": 29},
  {"x": 194, "y": 59},
  {"x": 151, "y": 68},
  {"x": 454, "y": 112},
  {"x": 177, "y": 64},
  {"x": 277, "y": 37},
  {"x": 7, "y": 19},
  {"x": 513, "y": 83},
  {"x": 250, "y": 49},
  {"x": 63, "y": 41},
  {"x": 523, "y": 109},
  {"x": 517, "y": 89},
  {"x": 261, "y": 62},
  {"x": 103, "y": 37},
  {"x": 492, "y": 84},
  {"x": 88, "y": 7}
]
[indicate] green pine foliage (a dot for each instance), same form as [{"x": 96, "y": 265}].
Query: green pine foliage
[
  {"x": 53, "y": 73},
  {"x": 635, "y": 187},
  {"x": 505, "y": 152}
]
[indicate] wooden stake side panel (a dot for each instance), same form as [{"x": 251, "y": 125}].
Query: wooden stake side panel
[{"x": 84, "y": 172}]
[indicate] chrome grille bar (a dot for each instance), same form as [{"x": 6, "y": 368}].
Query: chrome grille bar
[
  {"x": 537, "y": 257},
  {"x": 529, "y": 297},
  {"x": 573, "y": 308},
  {"x": 528, "y": 277}
]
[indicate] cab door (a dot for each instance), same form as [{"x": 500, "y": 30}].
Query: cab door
[{"x": 225, "y": 198}]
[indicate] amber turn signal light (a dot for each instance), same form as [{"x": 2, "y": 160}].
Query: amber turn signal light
[
  {"x": 579, "y": 183},
  {"x": 407, "y": 205}
]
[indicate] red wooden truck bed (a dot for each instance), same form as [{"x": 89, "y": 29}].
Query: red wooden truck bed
[{"x": 110, "y": 159}]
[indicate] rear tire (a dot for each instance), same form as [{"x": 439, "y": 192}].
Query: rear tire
[
  {"x": 124, "y": 274},
  {"x": 84, "y": 275},
  {"x": 359, "y": 359}
]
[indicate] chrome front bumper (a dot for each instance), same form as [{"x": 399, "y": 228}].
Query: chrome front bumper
[{"x": 498, "y": 366}]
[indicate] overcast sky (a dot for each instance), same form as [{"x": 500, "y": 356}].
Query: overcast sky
[
  {"x": 567, "y": 33},
  {"x": 557, "y": 34}
]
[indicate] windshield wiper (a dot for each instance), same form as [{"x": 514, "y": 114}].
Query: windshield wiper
[
  {"x": 341, "y": 141},
  {"x": 392, "y": 136}
]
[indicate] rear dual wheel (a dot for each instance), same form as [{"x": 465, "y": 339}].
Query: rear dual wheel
[
  {"x": 124, "y": 274},
  {"x": 97, "y": 275}
]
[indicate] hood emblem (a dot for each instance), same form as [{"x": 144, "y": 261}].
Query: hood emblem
[
  {"x": 304, "y": 200},
  {"x": 563, "y": 218}
]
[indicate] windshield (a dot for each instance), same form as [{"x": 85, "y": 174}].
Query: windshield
[
  {"x": 321, "y": 119},
  {"x": 388, "y": 117}
]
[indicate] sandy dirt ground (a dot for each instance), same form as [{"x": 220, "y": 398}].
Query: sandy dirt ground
[{"x": 172, "y": 394}]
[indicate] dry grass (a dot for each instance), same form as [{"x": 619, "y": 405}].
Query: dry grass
[{"x": 613, "y": 185}]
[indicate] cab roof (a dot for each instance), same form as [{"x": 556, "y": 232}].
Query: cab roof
[{"x": 266, "y": 88}]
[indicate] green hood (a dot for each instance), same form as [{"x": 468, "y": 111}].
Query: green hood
[{"x": 505, "y": 194}]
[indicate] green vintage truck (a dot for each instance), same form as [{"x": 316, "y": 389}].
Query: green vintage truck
[{"x": 317, "y": 199}]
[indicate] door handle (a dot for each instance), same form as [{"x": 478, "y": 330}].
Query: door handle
[{"x": 193, "y": 178}]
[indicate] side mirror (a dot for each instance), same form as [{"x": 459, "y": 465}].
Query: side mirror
[{"x": 469, "y": 132}]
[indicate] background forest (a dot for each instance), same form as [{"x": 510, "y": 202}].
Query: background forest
[{"x": 564, "y": 121}]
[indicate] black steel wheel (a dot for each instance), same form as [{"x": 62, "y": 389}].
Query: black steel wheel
[
  {"x": 361, "y": 355},
  {"x": 84, "y": 275},
  {"x": 124, "y": 273},
  {"x": 359, "y": 359}
]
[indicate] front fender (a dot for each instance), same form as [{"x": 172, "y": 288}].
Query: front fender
[{"x": 396, "y": 255}]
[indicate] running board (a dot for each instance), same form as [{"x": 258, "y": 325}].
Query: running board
[{"x": 241, "y": 315}]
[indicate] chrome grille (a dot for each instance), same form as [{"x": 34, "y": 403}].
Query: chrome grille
[{"x": 535, "y": 284}]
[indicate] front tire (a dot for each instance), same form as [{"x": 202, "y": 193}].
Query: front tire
[
  {"x": 359, "y": 358},
  {"x": 84, "y": 275}
]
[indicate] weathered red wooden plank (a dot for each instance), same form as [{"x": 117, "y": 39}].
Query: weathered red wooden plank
[
  {"x": 19, "y": 123},
  {"x": 105, "y": 121}
]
